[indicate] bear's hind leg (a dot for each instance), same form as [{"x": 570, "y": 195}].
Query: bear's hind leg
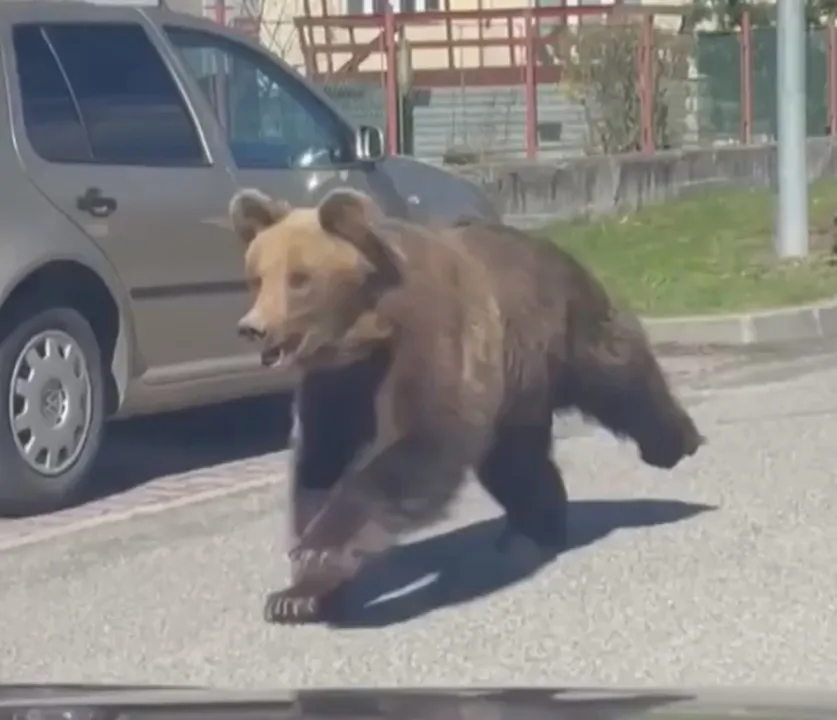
[
  {"x": 519, "y": 473},
  {"x": 635, "y": 400}
]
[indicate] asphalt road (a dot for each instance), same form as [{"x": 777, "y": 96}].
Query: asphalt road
[{"x": 723, "y": 572}]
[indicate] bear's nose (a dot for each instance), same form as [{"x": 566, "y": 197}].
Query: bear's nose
[{"x": 249, "y": 331}]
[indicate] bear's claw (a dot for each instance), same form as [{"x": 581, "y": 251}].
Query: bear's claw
[{"x": 290, "y": 607}]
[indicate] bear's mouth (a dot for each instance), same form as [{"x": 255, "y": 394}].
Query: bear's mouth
[{"x": 282, "y": 354}]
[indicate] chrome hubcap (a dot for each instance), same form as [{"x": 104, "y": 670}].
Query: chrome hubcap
[{"x": 50, "y": 403}]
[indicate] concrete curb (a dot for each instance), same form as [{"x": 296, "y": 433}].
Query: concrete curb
[{"x": 805, "y": 322}]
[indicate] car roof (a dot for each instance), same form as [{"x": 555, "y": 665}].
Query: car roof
[
  {"x": 12, "y": 11},
  {"x": 19, "y": 11}
]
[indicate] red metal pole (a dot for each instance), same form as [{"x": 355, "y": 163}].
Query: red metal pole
[
  {"x": 646, "y": 83},
  {"x": 391, "y": 78},
  {"x": 745, "y": 39},
  {"x": 640, "y": 64},
  {"x": 832, "y": 77},
  {"x": 531, "y": 86},
  {"x": 220, "y": 8}
]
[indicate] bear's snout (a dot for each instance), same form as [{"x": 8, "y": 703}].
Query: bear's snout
[{"x": 250, "y": 329}]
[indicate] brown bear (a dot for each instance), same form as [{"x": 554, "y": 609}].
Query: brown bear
[{"x": 426, "y": 352}]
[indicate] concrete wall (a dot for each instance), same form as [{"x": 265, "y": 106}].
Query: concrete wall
[{"x": 531, "y": 193}]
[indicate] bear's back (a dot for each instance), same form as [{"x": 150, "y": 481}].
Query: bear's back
[
  {"x": 504, "y": 294},
  {"x": 555, "y": 311},
  {"x": 537, "y": 272}
]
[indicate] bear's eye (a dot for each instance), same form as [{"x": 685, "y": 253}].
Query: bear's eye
[{"x": 298, "y": 279}]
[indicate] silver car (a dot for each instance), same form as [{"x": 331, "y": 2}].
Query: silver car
[{"x": 127, "y": 132}]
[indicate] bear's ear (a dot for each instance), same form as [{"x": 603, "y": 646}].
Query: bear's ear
[
  {"x": 351, "y": 215},
  {"x": 251, "y": 211}
]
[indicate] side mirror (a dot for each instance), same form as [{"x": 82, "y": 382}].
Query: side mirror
[{"x": 369, "y": 143}]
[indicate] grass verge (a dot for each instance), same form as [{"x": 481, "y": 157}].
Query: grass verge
[{"x": 708, "y": 253}]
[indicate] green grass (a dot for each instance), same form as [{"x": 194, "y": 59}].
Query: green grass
[{"x": 708, "y": 253}]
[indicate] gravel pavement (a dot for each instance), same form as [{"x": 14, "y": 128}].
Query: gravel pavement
[{"x": 723, "y": 572}]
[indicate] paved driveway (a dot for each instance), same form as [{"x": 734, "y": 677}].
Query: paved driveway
[
  {"x": 155, "y": 462},
  {"x": 721, "y": 572}
]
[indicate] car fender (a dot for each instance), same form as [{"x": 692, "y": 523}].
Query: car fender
[{"x": 47, "y": 237}]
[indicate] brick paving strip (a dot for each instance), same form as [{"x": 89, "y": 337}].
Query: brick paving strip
[{"x": 162, "y": 493}]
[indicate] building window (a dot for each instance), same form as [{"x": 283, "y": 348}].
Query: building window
[{"x": 370, "y": 7}]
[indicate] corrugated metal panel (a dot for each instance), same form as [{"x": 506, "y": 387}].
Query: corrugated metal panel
[
  {"x": 482, "y": 119},
  {"x": 492, "y": 121},
  {"x": 191, "y": 7},
  {"x": 362, "y": 103}
]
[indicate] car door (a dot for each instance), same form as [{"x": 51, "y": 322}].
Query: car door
[
  {"x": 107, "y": 135},
  {"x": 283, "y": 137}
]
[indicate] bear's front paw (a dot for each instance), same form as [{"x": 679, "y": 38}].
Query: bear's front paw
[
  {"x": 325, "y": 569},
  {"x": 292, "y": 607}
]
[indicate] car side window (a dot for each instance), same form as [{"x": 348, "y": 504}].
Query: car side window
[
  {"x": 272, "y": 121},
  {"x": 107, "y": 85},
  {"x": 50, "y": 115}
]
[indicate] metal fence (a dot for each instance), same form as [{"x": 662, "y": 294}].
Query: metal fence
[{"x": 465, "y": 85}]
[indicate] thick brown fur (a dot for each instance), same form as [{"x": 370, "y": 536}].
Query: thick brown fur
[{"x": 427, "y": 352}]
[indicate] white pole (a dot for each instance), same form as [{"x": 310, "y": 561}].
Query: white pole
[{"x": 792, "y": 215}]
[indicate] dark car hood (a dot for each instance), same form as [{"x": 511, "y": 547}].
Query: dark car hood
[
  {"x": 91, "y": 702},
  {"x": 442, "y": 196}
]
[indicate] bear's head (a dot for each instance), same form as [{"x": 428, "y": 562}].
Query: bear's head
[{"x": 318, "y": 275}]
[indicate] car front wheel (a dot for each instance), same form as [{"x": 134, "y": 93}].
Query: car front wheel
[{"x": 52, "y": 395}]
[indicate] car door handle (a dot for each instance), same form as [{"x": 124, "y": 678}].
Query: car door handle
[{"x": 96, "y": 204}]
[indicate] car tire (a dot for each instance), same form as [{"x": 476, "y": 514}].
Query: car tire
[{"x": 52, "y": 400}]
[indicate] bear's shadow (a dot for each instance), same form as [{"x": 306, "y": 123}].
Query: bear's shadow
[{"x": 455, "y": 567}]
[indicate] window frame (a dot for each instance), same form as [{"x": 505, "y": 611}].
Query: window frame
[
  {"x": 372, "y": 7},
  {"x": 284, "y": 76},
  {"x": 44, "y": 25}
]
